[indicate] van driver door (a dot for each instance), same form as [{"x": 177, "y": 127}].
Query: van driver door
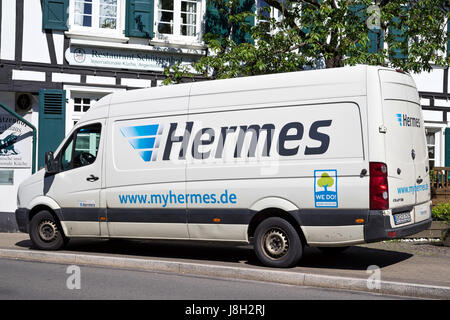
[{"x": 76, "y": 187}]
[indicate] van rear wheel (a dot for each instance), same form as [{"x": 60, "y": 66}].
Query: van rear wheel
[
  {"x": 46, "y": 232},
  {"x": 277, "y": 243}
]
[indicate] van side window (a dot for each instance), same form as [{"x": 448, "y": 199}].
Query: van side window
[
  {"x": 66, "y": 157},
  {"x": 82, "y": 148}
]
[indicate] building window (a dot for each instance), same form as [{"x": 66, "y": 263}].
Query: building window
[
  {"x": 431, "y": 145},
  {"x": 178, "y": 18},
  {"x": 79, "y": 104},
  {"x": 263, "y": 9},
  {"x": 266, "y": 13},
  {"x": 102, "y": 15},
  {"x": 6, "y": 177}
]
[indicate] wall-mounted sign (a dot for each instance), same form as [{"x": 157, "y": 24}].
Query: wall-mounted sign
[
  {"x": 15, "y": 142},
  {"x": 124, "y": 59}
]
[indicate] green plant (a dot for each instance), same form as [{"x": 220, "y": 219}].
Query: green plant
[
  {"x": 442, "y": 212},
  {"x": 310, "y": 34}
]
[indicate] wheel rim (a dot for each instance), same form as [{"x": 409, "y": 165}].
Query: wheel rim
[
  {"x": 48, "y": 231},
  {"x": 275, "y": 243}
]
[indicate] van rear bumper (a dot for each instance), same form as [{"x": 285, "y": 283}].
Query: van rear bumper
[{"x": 379, "y": 228}]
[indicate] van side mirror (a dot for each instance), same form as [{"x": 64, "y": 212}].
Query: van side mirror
[{"x": 51, "y": 165}]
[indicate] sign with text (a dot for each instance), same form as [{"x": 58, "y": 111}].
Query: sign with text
[
  {"x": 125, "y": 59},
  {"x": 15, "y": 142}
]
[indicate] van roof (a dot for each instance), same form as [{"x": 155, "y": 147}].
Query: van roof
[{"x": 309, "y": 85}]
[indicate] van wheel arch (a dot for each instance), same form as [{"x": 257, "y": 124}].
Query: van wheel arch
[
  {"x": 274, "y": 212},
  {"x": 40, "y": 208}
]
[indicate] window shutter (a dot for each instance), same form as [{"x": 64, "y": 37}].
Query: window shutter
[
  {"x": 216, "y": 19},
  {"x": 140, "y": 18},
  {"x": 52, "y": 121},
  {"x": 374, "y": 36},
  {"x": 399, "y": 53},
  {"x": 359, "y": 11},
  {"x": 447, "y": 147},
  {"x": 239, "y": 35},
  {"x": 55, "y": 14},
  {"x": 448, "y": 35},
  {"x": 305, "y": 27}
]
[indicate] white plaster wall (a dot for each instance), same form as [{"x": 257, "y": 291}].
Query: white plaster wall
[
  {"x": 432, "y": 115},
  {"x": 34, "y": 41},
  {"x": 429, "y": 81},
  {"x": 8, "y": 33},
  {"x": 58, "y": 40}
]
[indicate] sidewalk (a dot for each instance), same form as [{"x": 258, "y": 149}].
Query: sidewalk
[{"x": 399, "y": 262}]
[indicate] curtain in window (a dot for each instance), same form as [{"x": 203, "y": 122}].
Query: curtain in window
[
  {"x": 165, "y": 16},
  {"x": 83, "y": 13},
  {"x": 108, "y": 14},
  {"x": 188, "y": 18}
]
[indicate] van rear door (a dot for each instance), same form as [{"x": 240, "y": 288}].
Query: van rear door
[
  {"x": 406, "y": 154},
  {"x": 421, "y": 165},
  {"x": 399, "y": 155}
]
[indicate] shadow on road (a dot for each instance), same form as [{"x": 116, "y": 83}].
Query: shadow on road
[{"x": 355, "y": 258}]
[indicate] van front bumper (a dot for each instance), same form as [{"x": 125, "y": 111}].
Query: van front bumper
[
  {"x": 22, "y": 219},
  {"x": 379, "y": 228}
]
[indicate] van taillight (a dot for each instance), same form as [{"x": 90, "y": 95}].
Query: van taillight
[{"x": 379, "y": 191}]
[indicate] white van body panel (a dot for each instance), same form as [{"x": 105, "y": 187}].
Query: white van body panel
[
  {"x": 325, "y": 236},
  {"x": 44, "y": 201},
  {"x": 201, "y": 161},
  {"x": 273, "y": 202}
]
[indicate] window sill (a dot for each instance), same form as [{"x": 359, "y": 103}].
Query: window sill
[
  {"x": 93, "y": 36},
  {"x": 152, "y": 47},
  {"x": 172, "y": 42}
]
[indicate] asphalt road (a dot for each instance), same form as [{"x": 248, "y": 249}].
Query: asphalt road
[
  {"x": 420, "y": 263},
  {"x": 34, "y": 280}
]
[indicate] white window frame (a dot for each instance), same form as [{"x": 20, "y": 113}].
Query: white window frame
[
  {"x": 72, "y": 91},
  {"x": 433, "y": 145},
  {"x": 439, "y": 143},
  {"x": 273, "y": 14},
  {"x": 176, "y": 36},
  {"x": 95, "y": 30}
]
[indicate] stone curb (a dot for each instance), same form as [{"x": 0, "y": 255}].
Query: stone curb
[{"x": 282, "y": 276}]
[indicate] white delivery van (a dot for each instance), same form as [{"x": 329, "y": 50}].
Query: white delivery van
[{"x": 326, "y": 158}]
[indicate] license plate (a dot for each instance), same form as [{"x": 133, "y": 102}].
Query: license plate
[{"x": 401, "y": 218}]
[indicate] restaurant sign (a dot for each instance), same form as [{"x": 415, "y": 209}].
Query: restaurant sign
[{"x": 125, "y": 59}]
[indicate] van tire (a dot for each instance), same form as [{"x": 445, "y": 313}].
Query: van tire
[
  {"x": 277, "y": 243},
  {"x": 46, "y": 232}
]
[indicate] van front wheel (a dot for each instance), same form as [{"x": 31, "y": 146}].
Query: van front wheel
[
  {"x": 277, "y": 243},
  {"x": 45, "y": 232}
]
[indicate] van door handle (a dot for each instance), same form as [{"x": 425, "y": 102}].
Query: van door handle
[
  {"x": 92, "y": 178},
  {"x": 419, "y": 180}
]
